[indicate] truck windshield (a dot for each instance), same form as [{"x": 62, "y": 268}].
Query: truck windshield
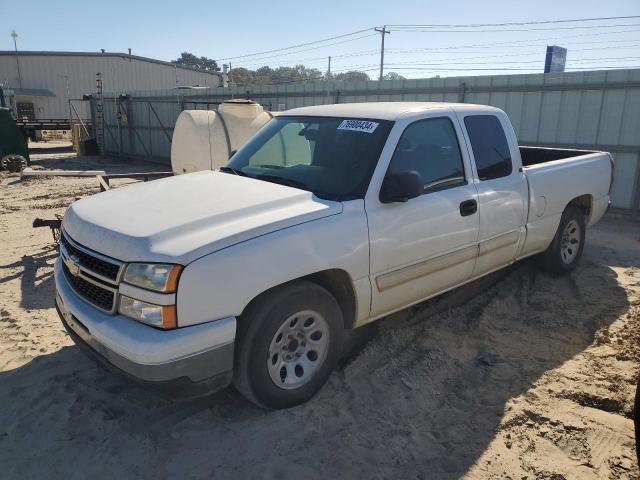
[{"x": 332, "y": 157}]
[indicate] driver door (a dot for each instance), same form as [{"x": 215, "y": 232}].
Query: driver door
[{"x": 428, "y": 244}]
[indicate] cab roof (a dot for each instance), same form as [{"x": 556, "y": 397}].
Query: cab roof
[{"x": 382, "y": 110}]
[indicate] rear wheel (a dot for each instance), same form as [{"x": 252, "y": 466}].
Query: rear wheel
[
  {"x": 13, "y": 163},
  {"x": 565, "y": 250},
  {"x": 288, "y": 343}
]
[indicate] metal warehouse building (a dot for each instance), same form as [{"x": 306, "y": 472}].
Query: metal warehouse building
[{"x": 39, "y": 85}]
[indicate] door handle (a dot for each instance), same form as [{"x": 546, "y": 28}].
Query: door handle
[{"x": 468, "y": 207}]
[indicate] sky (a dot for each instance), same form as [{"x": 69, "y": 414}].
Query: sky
[{"x": 232, "y": 30}]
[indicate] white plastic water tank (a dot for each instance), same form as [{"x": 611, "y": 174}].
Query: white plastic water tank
[{"x": 204, "y": 139}]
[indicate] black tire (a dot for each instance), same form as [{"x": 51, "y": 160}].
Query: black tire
[
  {"x": 13, "y": 163},
  {"x": 636, "y": 421},
  {"x": 554, "y": 260},
  {"x": 257, "y": 327}
]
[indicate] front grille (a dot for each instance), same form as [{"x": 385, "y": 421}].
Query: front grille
[
  {"x": 95, "y": 294},
  {"x": 90, "y": 262}
]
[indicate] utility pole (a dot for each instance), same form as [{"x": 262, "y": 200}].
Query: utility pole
[
  {"x": 329, "y": 68},
  {"x": 383, "y": 31},
  {"x": 14, "y": 35}
]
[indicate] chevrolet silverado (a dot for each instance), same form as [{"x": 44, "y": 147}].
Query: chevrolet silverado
[{"x": 328, "y": 218}]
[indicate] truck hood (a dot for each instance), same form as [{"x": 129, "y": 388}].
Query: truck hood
[{"x": 182, "y": 218}]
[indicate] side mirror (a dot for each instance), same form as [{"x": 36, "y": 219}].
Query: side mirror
[{"x": 401, "y": 187}]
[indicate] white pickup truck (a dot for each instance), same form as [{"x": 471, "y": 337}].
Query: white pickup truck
[{"x": 330, "y": 217}]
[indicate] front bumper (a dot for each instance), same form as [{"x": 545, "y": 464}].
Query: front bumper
[{"x": 199, "y": 356}]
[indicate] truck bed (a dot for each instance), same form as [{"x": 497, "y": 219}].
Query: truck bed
[
  {"x": 537, "y": 155},
  {"x": 557, "y": 176}
]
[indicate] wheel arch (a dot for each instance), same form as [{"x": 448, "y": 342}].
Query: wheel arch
[
  {"x": 336, "y": 281},
  {"x": 584, "y": 203}
]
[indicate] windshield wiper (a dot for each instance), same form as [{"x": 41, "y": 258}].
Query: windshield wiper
[
  {"x": 297, "y": 184},
  {"x": 268, "y": 178},
  {"x": 284, "y": 181},
  {"x": 235, "y": 171}
]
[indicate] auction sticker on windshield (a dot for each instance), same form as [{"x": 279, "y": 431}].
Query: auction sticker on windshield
[{"x": 358, "y": 126}]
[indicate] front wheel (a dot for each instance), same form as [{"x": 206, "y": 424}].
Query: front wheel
[
  {"x": 565, "y": 250},
  {"x": 288, "y": 343}
]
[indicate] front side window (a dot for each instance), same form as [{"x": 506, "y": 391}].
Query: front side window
[
  {"x": 430, "y": 148},
  {"x": 332, "y": 157},
  {"x": 490, "y": 147}
]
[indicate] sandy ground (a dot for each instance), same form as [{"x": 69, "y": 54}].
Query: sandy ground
[{"x": 519, "y": 376}]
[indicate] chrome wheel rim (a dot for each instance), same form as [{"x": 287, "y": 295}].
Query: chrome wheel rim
[
  {"x": 570, "y": 243},
  {"x": 298, "y": 349}
]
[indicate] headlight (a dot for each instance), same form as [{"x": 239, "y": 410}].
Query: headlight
[
  {"x": 161, "y": 316},
  {"x": 160, "y": 277}
]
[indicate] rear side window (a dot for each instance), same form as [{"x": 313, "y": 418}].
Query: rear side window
[{"x": 490, "y": 147}]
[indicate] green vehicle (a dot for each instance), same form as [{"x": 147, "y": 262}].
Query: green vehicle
[{"x": 14, "y": 151}]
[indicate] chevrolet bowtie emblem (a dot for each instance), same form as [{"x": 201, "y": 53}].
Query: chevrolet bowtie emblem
[{"x": 73, "y": 265}]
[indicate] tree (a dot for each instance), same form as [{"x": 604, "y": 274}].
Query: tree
[
  {"x": 264, "y": 75},
  {"x": 203, "y": 63},
  {"x": 352, "y": 76},
  {"x": 313, "y": 74},
  {"x": 393, "y": 76},
  {"x": 242, "y": 76},
  {"x": 298, "y": 73},
  {"x": 286, "y": 75}
]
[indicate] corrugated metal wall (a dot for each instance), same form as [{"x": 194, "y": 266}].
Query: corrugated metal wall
[
  {"x": 119, "y": 73},
  {"x": 590, "y": 110}
]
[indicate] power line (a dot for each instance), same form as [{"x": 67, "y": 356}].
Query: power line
[
  {"x": 517, "y": 54},
  {"x": 315, "y": 42},
  {"x": 431, "y": 28},
  {"x": 322, "y": 59},
  {"x": 449, "y": 65},
  {"x": 528, "y": 41},
  {"x": 418, "y": 50},
  {"x": 445, "y": 65},
  {"x": 358, "y": 53},
  {"x": 298, "y": 46},
  {"x": 573, "y": 20},
  {"x": 536, "y": 52},
  {"x": 580, "y": 60},
  {"x": 447, "y": 69},
  {"x": 444, "y": 68},
  {"x": 254, "y": 61},
  {"x": 394, "y": 52},
  {"x": 455, "y": 47},
  {"x": 395, "y": 66},
  {"x": 416, "y": 30}
]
